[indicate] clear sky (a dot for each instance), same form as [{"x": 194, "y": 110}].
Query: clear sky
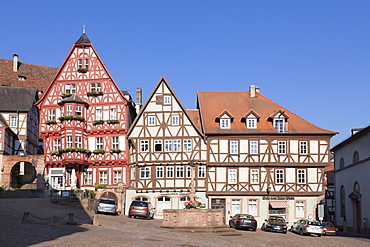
[{"x": 310, "y": 56}]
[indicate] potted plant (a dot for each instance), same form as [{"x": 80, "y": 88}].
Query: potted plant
[
  {"x": 99, "y": 186},
  {"x": 82, "y": 70},
  {"x": 112, "y": 121},
  {"x": 94, "y": 93},
  {"x": 192, "y": 204},
  {"x": 115, "y": 150},
  {"x": 50, "y": 122},
  {"x": 55, "y": 153},
  {"x": 66, "y": 95},
  {"x": 96, "y": 122},
  {"x": 98, "y": 151}
]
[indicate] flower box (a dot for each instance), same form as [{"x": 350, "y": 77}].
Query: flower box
[
  {"x": 55, "y": 153},
  {"x": 115, "y": 150},
  {"x": 69, "y": 118},
  {"x": 99, "y": 151},
  {"x": 82, "y": 70},
  {"x": 192, "y": 204},
  {"x": 96, "y": 122},
  {"x": 66, "y": 95},
  {"x": 51, "y": 122},
  {"x": 112, "y": 121},
  {"x": 94, "y": 93}
]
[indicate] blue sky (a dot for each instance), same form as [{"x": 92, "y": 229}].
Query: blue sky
[{"x": 310, "y": 56}]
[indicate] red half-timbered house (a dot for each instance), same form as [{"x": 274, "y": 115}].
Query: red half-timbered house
[{"x": 84, "y": 118}]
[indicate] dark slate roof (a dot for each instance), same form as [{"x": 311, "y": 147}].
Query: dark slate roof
[
  {"x": 17, "y": 98},
  {"x": 83, "y": 39},
  {"x": 35, "y": 76},
  {"x": 73, "y": 98}
]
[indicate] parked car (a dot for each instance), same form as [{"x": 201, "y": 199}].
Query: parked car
[
  {"x": 275, "y": 224},
  {"x": 243, "y": 221},
  {"x": 307, "y": 227},
  {"x": 141, "y": 209},
  {"x": 329, "y": 229},
  {"x": 106, "y": 206}
]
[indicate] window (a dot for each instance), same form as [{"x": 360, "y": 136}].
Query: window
[
  {"x": 57, "y": 144},
  {"x": 254, "y": 147},
  {"x": 279, "y": 125},
  {"x": 176, "y": 145},
  {"x": 78, "y": 141},
  {"x": 232, "y": 176},
  {"x": 251, "y": 123},
  {"x": 341, "y": 164},
  {"x": 163, "y": 202},
  {"x": 167, "y": 99},
  {"x": 253, "y": 207},
  {"x": 86, "y": 63},
  {"x": 233, "y": 147},
  {"x": 225, "y": 123},
  {"x": 88, "y": 178},
  {"x": 144, "y": 172},
  {"x": 144, "y": 146},
  {"x": 115, "y": 142},
  {"x": 279, "y": 176},
  {"x": 356, "y": 157},
  {"x": 175, "y": 120},
  {"x": 342, "y": 202},
  {"x": 299, "y": 209},
  {"x": 95, "y": 86},
  {"x": 79, "y": 63},
  {"x": 51, "y": 114},
  {"x": 303, "y": 147},
  {"x": 160, "y": 172},
  {"x": 151, "y": 120},
  {"x": 70, "y": 88},
  {"x": 158, "y": 145},
  {"x": 281, "y": 147},
  {"x": 78, "y": 110},
  {"x": 113, "y": 114},
  {"x": 235, "y": 206},
  {"x": 141, "y": 198},
  {"x": 188, "y": 172},
  {"x": 99, "y": 114},
  {"x": 133, "y": 173},
  {"x": 180, "y": 172},
  {"x": 69, "y": 142},
  {"x": 69, "y": 110},
  {"x": 187, "y": 146},
  {"x": 13, "y": 121},
  {"x": 169, "y": 172},
  {"x": 301, "y": 176},
  {"x": 117, "y": 177},
  {"x": 254, "y": 176},
  {"x": 168, "y": 145},
  {"x": 201, "y": 172},
  {"x": 99, "y": 143},
  {"x": 103, "y": 178}
]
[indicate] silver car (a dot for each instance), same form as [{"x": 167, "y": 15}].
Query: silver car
[
  {"x": 307, "y": 227},
  {"x": 106, "y": 206}
]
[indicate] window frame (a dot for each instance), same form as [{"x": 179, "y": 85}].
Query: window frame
[
  {"x": 231, "y": 176},
  {"x": 279, "y": 176},
  {"x": 255, "y": 176},
  {"x": 201, "y": 172},
  {"x": 117, "y": 177},
  {"x": 179, "y": 172},
  {"x": 253, "y": 147},
  {"x": 158, "y": 143},
  {"x": 159, "y": 172},
  {"x": 51, "y": 114},
  {"x": 88, "y": 178},
  {"x": 225, "y": 123},
  {"x": 115, "y": 142},
  {"x": 144, "y": 172},
  {"x": 170, "y": 172},
  {"x": 187, "y": 144},
  {"x": 103, "y": 177},
  {"x": 144, "y": 145},
  {"x": 234, "y": 147},
  {"x": 282, "y": 147},
  {"x": 151, "y": 121},
  {"x": 303, "y": 147},
  {"x": 98, "y": 142},
  {"x": 301, "y": 176},
  {"x": 251, "y": 123}
]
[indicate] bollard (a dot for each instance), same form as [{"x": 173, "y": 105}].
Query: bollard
[
  {"x": 56, "y": 221},
  {"x": 71, "y": 220},
  {"x": 96, "y": 220},
  {"x": 26, "y": 217}
]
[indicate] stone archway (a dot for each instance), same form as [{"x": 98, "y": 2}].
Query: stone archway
[
  {"x": 22, "y": 173},
  {"x": 111, "y": 194}
]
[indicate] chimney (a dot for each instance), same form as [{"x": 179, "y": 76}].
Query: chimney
[
  {"x": 139, "y": 98},
  {"x": 15, "y": 62},
  {"x": 252, "y": 91}
]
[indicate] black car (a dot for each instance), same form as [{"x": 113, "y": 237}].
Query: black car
[
  {"x": 275, "y": 224},
  {"x": 243, "y": 221}
]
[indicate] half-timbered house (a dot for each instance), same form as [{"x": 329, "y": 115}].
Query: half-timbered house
[
  {"x": 262, "y": 159},
  {"x": 167, "y": 153},
  {"x": 84, "y": 118}
]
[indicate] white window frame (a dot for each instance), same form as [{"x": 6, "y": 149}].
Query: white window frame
[
  {"x": 300, "y": 208},
  {"x": 234, "y": 147},
  {"x": 86, "y": 63},
  {"x": 115, "y": 142},
  {"x": 175, "y": 120},
  {"x": 180, "y": 172},
  {"x": 255, "y": 176},
  {"x": 88, "y": 178},
  {"x": 117, "y": 177},
  {"x": 225, "y": 123},
  {"x": 187, "y": 145},
  {"x": 188, "y": 171},
  {"x": 113, "y": 114},
  {"x": 103, "y": 177},
  {"x": 151, "y": 120},
  {"x": 99, "y": 114},
  {"x": 159, "y": 144},
  {"x": 251, "y": 123},
  {"x": 279, "y": 173},
  {"x": 253, "y": 147},
  {"x": 51, "y": 114},
  {"x": 69, "y": 142},
  {"x": 69, "y": 110},
  {"x": 13, "y": 121},
  {"x": 201, "y": 171},
  {"x": 279, "y": 125},
  {"x": 70, "y": 88},
  {"x": 170, "y": 172},
  {"x": 282, "y": 147},
  {"x": 79, "y": 64},
  {"x": 168, "y": 145},
  {"x": 78, "y": 110},
  {"x": 144, "y": 145},
  {"x": 301, "y": 176},
  {"x": 78, "y": 141},
  {"x": 231, "y": 175},
  {"x": 98, "y": 142},
  {"x": 166, "y": 99},
  {"x": 160, "y": 172},
  {"x": 57, "y": 144},
  {"x": 176, "y": 145},
  {"x": 303, "y": 147},
  {"x": 253, "y": 207},
  {"x": 144, "y": 172}
]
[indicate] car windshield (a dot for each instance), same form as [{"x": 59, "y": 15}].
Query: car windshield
[
  {"x": 246, "y": 216},
  {"x": 277, "y": 219},
  {"x": 328, "y": 224},
  {"x": 314, "y": 223},
  {"x": 139, "y": 204},
  {"x": 107, "y": 201}
]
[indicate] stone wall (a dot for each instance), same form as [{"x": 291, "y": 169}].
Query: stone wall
[{"x": 192, "y": 218}]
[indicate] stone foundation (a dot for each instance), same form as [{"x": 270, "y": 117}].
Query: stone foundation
[{"x": 193, "y": 218}]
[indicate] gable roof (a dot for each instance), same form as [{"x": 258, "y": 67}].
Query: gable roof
[
  {"x": 73, "y": 99},
  {"x": 35, "y": 76},
  {"x": 17, "y": 98},
  {"x": 238, "y": 104}
]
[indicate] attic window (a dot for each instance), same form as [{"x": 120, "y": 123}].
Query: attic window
[
  {"x": 251, "y": 122},
  {"x": 279, "y": 120},
  {"x": 279, "y": 125},
  {"x": 225, "y": 122},
  {"x": 22, "y": 78}
]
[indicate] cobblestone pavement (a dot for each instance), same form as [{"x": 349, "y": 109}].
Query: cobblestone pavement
[{"x": 123, "y": 231}]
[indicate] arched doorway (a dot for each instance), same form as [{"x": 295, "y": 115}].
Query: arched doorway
[
  {"x": 22, "y": 173},
  {"x": 356, "y": 201}
]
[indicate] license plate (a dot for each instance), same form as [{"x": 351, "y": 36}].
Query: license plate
[{"x": 277, "y": 227}]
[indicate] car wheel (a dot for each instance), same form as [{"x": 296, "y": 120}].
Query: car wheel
[
  {"x": 263, "y": 227},
  {"x": 254, "y": 229},
  {"x": 129, "y": 216},
  {"x": 319, "y": 235},
  {"x": 285, "y": 232},
  {"x": 301, "y": 232}
]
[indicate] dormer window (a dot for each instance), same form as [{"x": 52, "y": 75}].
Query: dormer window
[
  {"x": 225, "y": 119},
  {"x": 251, "y": 123},
  {"x": 225, "y": 123},
  {"x": 279, "y": 120},
  {"x": 279, "y": 125},
  {"x": 251, "y": 118}
]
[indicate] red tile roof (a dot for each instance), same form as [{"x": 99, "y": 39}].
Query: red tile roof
[
  {"x": 35, "y": 76},
  {"x": 239, "y": 104}
]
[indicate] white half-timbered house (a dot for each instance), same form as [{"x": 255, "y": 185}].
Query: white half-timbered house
[
  {"x": 84, "y": 118},
  {"x": 166, "y": 145},
  {"x": 262, "y": 159}
]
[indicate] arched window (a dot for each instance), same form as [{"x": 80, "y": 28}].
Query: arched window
[
  {"x": 342, "y": 202},
  {"x": 182, "y": 200},
  {"x": 356, "y": 157},
  {"x": 341, "y": 164},
  {"x": 163, "y": 202},
  {"x": 356, "y": 187},
  {"x": 141, "y": 198}
]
